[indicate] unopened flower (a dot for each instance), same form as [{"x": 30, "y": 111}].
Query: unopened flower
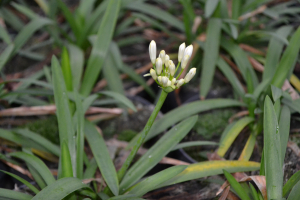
[
  {"x": 162, "y": 55},
  {"x": 152, "y": 51},
  {"x": 173, "y": 81},
  {"x": 172, "y": 69},
  {"x": 153, "y": 74},
  {"x": 167, "y": 58},
  {"x": 170, "y": 62},
  {"x": 164, "y": 81},
  {"x": 158, "y": 65},
  {"x": 159, "y": 79},
  {"x": 181, "y": 52},
  {"x": 188, "y": 50},
  {"x": 169, "y": 83},
  {"x": 185, "y": 61},
  {"x": 190, "y": 75},
  {"x": 180, "y": 82}
]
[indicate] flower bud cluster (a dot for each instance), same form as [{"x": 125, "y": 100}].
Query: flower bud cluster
[{"x": 164, "y": 69}]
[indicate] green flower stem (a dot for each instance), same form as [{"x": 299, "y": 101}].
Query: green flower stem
[
  {"x": 177, "y": 67},
  {"x": 179, "y": 74},
  {"x": 143, "y": 135}
]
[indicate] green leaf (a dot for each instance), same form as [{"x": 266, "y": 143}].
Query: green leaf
[
  {"x": 12, "y": 19},
  {"x": 211, "y": 53},
  {"x": 254, "y": 193},
  {"x": 211, "y": 168},
  {"x": 160, "y": 149},
  {"x": 295, "y": 193},
  {"x": 272, "y": 150},
  {"x": 65, "y": 124},
  {"x": 236, "y": 186},
  {"x": 60, "y": 189},
  {"x": 5, "y": 55},
  {"x": 66, "y": 69},
  {"x": 151, "y": 182},
  {"x": 236, "y": 8},
  {"x": 284, "y": 129},
  {"x": 295, "y": 178},
  {"x": 102, "y": 157},
  {"x": 121, "y": 98},
  {"x": 156, "y": 13},
  {"x": 111, "y": 74},
  {"x": 13, "y": 195},
  {"x": 185, "y": 111},
  {"x": 210, "y": 7},
  {"x": 274, "y": 52},
  {"x": 29, "y": 185},
  {"x": 240, "y": 58},
  {"x": 40, "y": 140},
  {"x": 288, "y": 60},
  {"x": 231, "y": 77},
  {"x": 28, "y": 31},
  {"x": 260, "y": 88},
  {"x": 4, "y": 35},
  {"x": 276, "y": 93},
  {"x": 77, "y": 63},
  {"x": 194, "y": 143},
  {"x": 65, "y": 160},
  {"x": 230, "y": 136},
  {"x": 37, "y": 164},
  {"x": 101, "y": 47}
]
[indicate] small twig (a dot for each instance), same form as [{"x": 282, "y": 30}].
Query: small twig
[
  {"x": 134, "y": 91},
  {"x": 253, "y": 13},
  {"x": 237, "y": 115},
  {"x": 251, "y": 49},
  {"x": 255, "y": 64}
]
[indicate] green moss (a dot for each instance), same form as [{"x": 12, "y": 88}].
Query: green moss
[
  {"x": 213, "y": 123},
  {"x": 127, "y": 135},
  {"x": 47, "y": 128}
]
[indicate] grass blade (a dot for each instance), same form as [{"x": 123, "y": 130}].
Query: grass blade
[
  {"x": 102, "y": 157},
  {"x": 80, "y": 135},
  {"x": 185, "y": 111},
  {"x": 295, "y": 193},
  {"x": 272, "y": 151},
  {"x": 29, "y": 185},
  {"x": 4, "y": 35},
  {"x": 284, "y": 129},
  {"x": 211, "y": 53},
  {"x": 274, "y": 52},
  {"x": 288, "y": 60},
  {"x": 37, "y": 164},
  {"x": 65, "y": 160},
  {"x": 65, "y": 124},
  {"x": 66, "y": 69},
  {"x": 231, "y": 77},
  {"x": 210, "y": 7},
  {"x": 194, "y": 143},
  {"x": 121, "y": 98},
  {"x": 5, "y": 55},
  {"x": 77, "y": 63},
  {"x": 13, "y": 195},
  {"x": 157, "y": 152},
  {"x": 65, "y": 186},
  {"x": 156, "y": 13},
  {"x": 12, "y": 19},
  {"x": 101, "y": 47},
  {"x": 149, "y": 183},
  {"x": 211, "y": 168},
  {"x": 236, "y": 186},
  {"x": 290, "y": 184},
  {"x": 232, "y": 134}
]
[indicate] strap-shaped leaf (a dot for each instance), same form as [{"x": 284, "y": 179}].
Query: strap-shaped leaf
[
  {"x": 121, "y": 98},
  {"x": 37, "y": 164},
  {"x": 13, "y": 195},
  {"x": 60, "y": 189},
  {"x": 102, "y": 157}
]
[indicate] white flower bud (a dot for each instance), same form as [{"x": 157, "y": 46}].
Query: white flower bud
[
  {"x": 162, "y": 55},
  {"x": 167, "y": 58},
  {"x": 190, "y": 75},
  {"x": 173, "y": 81},
  {"x": 180, "y": 82},
  {"x": 188, "y": 51},
  {"x": 172, "y": 69},
  {"x": 159, "y": 79},
  {"x": 170, "y": 62},
  {"x": 152, "y": 51},
  {"x": 158, "y": 65},
  {"x": 153, "y": 74},
  {"x": 185, "y": 61},
  {"x": 164, "y": 81},
  {"x": 181, "y": 52},
  {"x": 169, "y": 83}
]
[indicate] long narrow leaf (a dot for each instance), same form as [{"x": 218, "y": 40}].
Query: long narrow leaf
[
  {"x": 121, "y": 98},
  {"x": 193, "y": 143},
  {"x": 5, "y": 55},
  {"x": 295, "y": 193},
  {"x": 13, "y": 195},
  {"x": 284, "y": 130},
  {"x": 211, "y": 53},
  {"x": 157, "y": 152},
  {"x": 101, "y": 47},
  {"x": 102, "y": 157},
  {"x": 272, "y": 151},
  {"x": 236, "y": 186},
  {"x": 290, "y": 184},
  {"x": 60, "y": 189}
]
